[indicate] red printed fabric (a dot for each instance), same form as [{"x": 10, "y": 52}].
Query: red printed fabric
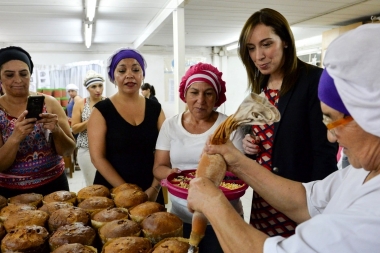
[
  {"x": 263, "y": 216},
  {"x": 36, "y": 163}
]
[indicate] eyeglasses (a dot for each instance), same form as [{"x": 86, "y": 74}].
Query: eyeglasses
[{"x": 333, "y": 124}]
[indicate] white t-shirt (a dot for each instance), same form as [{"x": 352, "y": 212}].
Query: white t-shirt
[
  {"x": 185, "y": 151},
  {"x": 345, "y": 216}
]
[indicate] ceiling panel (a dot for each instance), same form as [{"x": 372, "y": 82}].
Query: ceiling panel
[{"x": 207, "y": 22}]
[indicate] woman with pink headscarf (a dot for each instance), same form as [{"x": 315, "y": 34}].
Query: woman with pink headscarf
[{"x": 182, "y": 138}]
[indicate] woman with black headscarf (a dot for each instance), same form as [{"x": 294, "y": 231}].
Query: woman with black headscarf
[{"x": 31, "y": 149}]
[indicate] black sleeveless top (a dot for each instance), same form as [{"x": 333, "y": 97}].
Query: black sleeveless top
[{"x": 130, "y": 149}]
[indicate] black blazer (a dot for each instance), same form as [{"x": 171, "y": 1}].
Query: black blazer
[{"x": 301, "y": 151}]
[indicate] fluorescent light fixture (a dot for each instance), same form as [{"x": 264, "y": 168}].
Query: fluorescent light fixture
[
  {"x": 88, "y": 34},
  {"x": 90, "y": 9},
  {"x": 232, "y": 46}
]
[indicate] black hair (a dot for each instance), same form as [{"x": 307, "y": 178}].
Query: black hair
[
  {"x": 146, "y": 86},
  {"x": 16, "y": 53}
]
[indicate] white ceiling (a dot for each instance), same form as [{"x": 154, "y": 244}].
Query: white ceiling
[{"x": 59, "y": 24}]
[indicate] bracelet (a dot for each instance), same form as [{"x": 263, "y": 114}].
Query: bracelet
[{"x": 155, "y": 189}]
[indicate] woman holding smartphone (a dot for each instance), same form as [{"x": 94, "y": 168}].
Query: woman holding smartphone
[{"x": 31, "y": 150}]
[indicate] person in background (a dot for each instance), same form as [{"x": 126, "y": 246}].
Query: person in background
[
  {"x": 341, "y": 212},
  {"x": 93, "y": 82},
  {"x": 182, "y": 138},
  {"x": 296, "y": 147},
  {"x": 148, "y": 91},
  {"x": 72, "y": 90},
  {"x": 123, "y": 129},
  {"x": 31, "y": 150}
]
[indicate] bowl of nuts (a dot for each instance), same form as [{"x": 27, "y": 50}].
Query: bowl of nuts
[{"x": 178, "y": 184}]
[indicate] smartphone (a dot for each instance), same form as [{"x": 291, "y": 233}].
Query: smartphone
[{"x": 34, "y": 106}]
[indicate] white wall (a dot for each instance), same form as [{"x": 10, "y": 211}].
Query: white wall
[{"x": 236, "y": 84}]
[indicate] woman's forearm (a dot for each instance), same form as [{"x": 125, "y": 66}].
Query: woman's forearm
[
  {"x": 161, "y": 172},
  {"x": 285, "y": 195},
  {"x": 64, "y": 144},
  {"x": 79, "y": 127},
  {"x": 107, "y": 171},
  {"x": 234, "y": 234}
]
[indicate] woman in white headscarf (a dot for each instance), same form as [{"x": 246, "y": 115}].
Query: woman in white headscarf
[
  {"x": 339, "y": 213},
  {"x": 81, "y": 114}
]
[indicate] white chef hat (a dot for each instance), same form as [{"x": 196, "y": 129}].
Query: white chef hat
[
  {"x": 352, "y": 60},
  {"x": 71, "y": 86}
]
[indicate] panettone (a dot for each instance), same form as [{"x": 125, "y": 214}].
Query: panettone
[
  {"x": 2, "y": 231},
  {"x": 11, "y": 209},
  {"x": 61, "y": 196},
  {"x": 31, "y": 239},
  {"x": 99, "y": 218},
  {"x": 161, "y": 225},
  {"x": 75, "y": 248},
  {"x": 3, "y": 201},
  {"x": 94, "y": 204},
  {"x": 119, "y": 228},
  {"x": 139, "y": 212},
  {"x": 53, "y": 206},
  {"x": 67, "y": 216},
  {"x": 123, "y": 187},
  {"x": 130, "y": 198},
  {"x": 173, "y": 245},
  {"x": 33, "y": 199},
  {"x": 72, "y": 233},
  {"x": 26, "y": 218},
  {"x": 95, "y": 190},
  {"x": 127, "y": 245}
]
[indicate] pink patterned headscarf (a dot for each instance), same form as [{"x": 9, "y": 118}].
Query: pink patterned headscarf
[{"x": 203, "y": 72}]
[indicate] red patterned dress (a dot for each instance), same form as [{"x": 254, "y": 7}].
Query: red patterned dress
[
  {"x": 36, "y": 163},
  {"x": 263, "y": 216}
]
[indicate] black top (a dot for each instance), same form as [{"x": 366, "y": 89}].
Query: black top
[
  {"x": 301, "y": 150},
  {"x": 152, "y": 97},
  {"x": 130, "y": 149}
]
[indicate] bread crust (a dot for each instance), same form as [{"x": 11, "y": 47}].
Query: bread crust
[
  {"x": 94, "y": 204},
  {"x": 61, "y": 196},
  {"x": 129, "y": 198},
  {"x": 127, "y": 245},
  {"x": 161, "y": 225},
  {"x": 119, "y": 228},
  {"x": 75, "y": 248},
  {"x": 27, "y": 198},
  {"x": 31, "y": 239},
  {"x": 141, "y": 211},
  {"x": 95, "y": 190},
  {"x": 67, "y": 216},
  {"x": 26, "y": 218},
  {"x": 72, "y": 233},
  {"x": 173, "y": 245}
]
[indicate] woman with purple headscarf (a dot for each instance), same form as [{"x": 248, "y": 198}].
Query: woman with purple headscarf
[{"x": 123, "y": 129}]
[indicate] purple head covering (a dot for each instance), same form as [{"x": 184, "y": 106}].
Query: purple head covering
[
  {"x": 121, "y": 54},
  {"x": 328, "y": 93}
]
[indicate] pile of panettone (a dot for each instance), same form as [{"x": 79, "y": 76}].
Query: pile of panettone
[{"x": 96, "y": 219}]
